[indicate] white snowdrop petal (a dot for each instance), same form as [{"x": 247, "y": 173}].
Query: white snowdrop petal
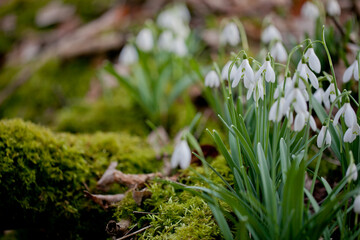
[
  {"x": 338, "y": 114},
  {"x": 212, "y": 79},
  {"x": 349, "y": 115},
  {"x": 269, "y": 74},
  {"x": 299, "y": 122},
  {"x": 352, "y": 172},
  {"x": 333, "y": 8},
  {"x": 144, "y": 40},
  {"x": 320, "y": 137},
  {"x": 357, "y": 205},
  {"x": 356, "y": 71},
  {"x": 314, "y": 61},
  {"x": 312, "y": 123},
  {"x": 348, "y": 73},
  {"x": 128, "y": 55},
  {"x": 328, "y": 138},
  {"x": 313, "y": 79}
]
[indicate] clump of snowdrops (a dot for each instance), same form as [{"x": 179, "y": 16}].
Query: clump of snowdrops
[
  {"x": 269, "y": 112},
  {"x": 155, "y": 62}
]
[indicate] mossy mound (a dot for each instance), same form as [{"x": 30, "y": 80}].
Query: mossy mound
[
  {"x": 43, "y": 175},
  {"x": 175, "y": 213}
]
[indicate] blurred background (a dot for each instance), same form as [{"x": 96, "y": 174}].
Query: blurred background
[{"x": 52, "y": 52}]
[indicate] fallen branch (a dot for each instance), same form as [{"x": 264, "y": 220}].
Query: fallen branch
[
  {"x": 105, "y": 200},
  {"x": 112, "y": 175}
]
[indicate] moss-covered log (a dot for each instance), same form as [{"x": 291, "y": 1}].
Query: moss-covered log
[{"x": 43, "y": 175}]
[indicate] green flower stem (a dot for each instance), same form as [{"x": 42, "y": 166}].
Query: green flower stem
[{"x": 243, "y": 36}]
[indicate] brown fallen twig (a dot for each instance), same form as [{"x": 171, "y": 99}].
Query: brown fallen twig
[
  {"x": 112, "y": 175},
  {"x": 105, "y": 200}
]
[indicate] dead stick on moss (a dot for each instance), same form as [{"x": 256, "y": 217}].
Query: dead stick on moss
[
  {"x": 145, "y": 212},
  {"x": 112, "y": 175},
  {"x": 134, "y": 233}
]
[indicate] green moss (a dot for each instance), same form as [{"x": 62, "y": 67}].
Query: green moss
[
  {"x": 43, "y": 175},
  {"x": 177, "y": 214}
]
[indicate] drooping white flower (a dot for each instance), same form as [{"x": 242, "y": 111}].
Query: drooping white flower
[
  {"x": 351, "y": 133},
  {"x": 351, "y": 172},
  {"x": 349, "y": 115},
  {"x": 357, "y": 204},
  {"x": 278, "y": 52},
  {"x": 244, "y": 72},
  {"x": 179, "y": 47},
  {"x": 230, "y": 35},
  {"x": 300, "y": 120},
  {"x": 166, "y": 40},
  {"x": 212, "y": 79},
  {"x": 306, "y": 74},
  {"x": 351, "y": 71},
  {"x": 289, "y": 85},
  {"x": 313, "y": 60},
  {"x": 145, "y": 40},
  {"x": 296, "y": 98},
  {"x": 321, "y": 137},
  {"x": 277, "y": 110},
  {"x": 310, "y": 11},
  {"x": 330, "y": 95},
  {"x": 181, "y": 155},
  {"x": 128, "y": 55},
  {"x": 270, "y": 33},
  {"x": 319, "y": 95},
  {"x": 267, "y": 70},
  {"x": 333, "y": 8},
  {"x": 225, "y": 71},
  {"x": 256, "y": 89}
]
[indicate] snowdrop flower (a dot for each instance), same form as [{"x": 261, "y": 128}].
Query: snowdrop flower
[
  {"x": 289, "y": 85},
  {"x": 330, "y": 95},
  {"x": 212, "y": 79},
  {"x": 256, "y": 89},
  {"x": 144, "y": 40},
  {"x": 321, "y": 136},
  {"x": 301, "y": 118},
  {"x": 319, "y": 95},
  {"x": 267, "y": 70},
  {"x": 128, "y": 55},
  {"x": 166, "y": 40},
  {"x": 225, "y": 71},
  {"x": 179, "y": 47},
  {"x": 279, "y": 52},
  {"x": 310, "y": 11},
  {"x": 352, "y": 172},
  {"x": 357, "y": 204},
  {"x": 352, "y": 132},
  {"x": 306, "y": 74},
  {"x": 277, "y": 110},
  {"x": 296, "y": 98},
  {"x": 333, "y": 8},
  {"x": 349, "y": 115},
  {"x": 230, "y": 35},
  {"x": 181, "y": 155},
  {"x": 244, "y": 72},
  {"x": 352, "y": 70},
  {"x": 313, "y": 60},
  {"x": 270, "y": 33}
]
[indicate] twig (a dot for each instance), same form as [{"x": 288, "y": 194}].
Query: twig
[{"x": 134, "y": 233}]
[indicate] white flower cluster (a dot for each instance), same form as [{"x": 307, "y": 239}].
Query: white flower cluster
[
  {"x": 174, "y": 23},
  {"x": 272, "y": 36},
  {"x": 230, "y": 35}
]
